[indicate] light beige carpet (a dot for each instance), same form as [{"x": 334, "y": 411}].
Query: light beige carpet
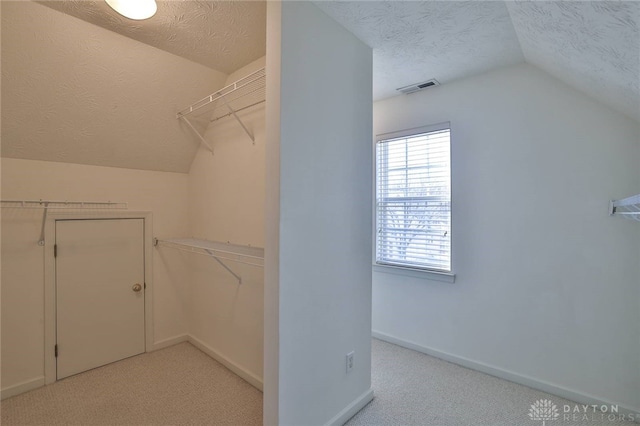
[
  {"x": 411, "y": 388},
  {"x": 182, "y": 386},
  {"x": 179, "y": 385}
]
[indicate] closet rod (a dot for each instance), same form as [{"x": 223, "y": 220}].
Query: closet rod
[
  {"x": 232, "y": 112},
  {"x": 225, "y": 91},
  {"x": 238, "y": 110}
]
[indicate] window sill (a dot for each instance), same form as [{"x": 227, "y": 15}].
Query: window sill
[{"x": 416, "y": 273}]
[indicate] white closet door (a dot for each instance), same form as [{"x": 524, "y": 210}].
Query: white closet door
[{"x": 99, "y": 292}]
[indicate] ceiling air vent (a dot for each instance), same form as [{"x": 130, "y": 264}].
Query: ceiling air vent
[{"x": 419, "y": 86}]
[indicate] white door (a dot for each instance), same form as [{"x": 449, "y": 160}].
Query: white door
[{"x": 99, "y": 292}]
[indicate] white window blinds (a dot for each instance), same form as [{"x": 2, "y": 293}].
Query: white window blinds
[{"x": 413, "y": 201}]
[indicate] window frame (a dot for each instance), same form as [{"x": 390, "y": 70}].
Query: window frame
[{"x": 407, "y": 270}]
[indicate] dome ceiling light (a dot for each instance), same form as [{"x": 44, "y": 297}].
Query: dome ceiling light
[{"x": 134, "y": 9}]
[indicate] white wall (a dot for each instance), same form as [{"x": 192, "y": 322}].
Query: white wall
[
  {"x": 271, "y": 378},
  {"x": 547, "y": 282},
  {"x": 318, "y": 271},
  {"x": 162, "y": 193},
  {"x": 226, "y": 203}
]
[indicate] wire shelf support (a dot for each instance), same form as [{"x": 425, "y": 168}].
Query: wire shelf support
[
  {"x": 220, "y": 252},
  {"x": 228, "y": 101},
  {"x": 627, "y": 207},
  {"x": 57, "y": 205}
]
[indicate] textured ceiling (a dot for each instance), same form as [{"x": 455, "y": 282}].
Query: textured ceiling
[
  {"x": 223, "y": 35},
  {"x": 414, "y": 41},
  {"x": 78, "y": 92},
  {"x": 592, "y": 46},
  {"x": 74, "y": 92}
]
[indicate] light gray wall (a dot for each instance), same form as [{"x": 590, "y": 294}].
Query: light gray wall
[
  {"x": 547, "y": 283},
  {"x": 322, "y": 191}
]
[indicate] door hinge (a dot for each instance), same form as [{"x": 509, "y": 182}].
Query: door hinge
[
  {"x": 55, "y": 250},
  {"x": 145, "y": 286},
  {"x": 55, "y": 350}
]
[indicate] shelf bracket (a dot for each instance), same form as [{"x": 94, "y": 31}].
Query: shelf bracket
[
  {"x": 224, "y": 266},
  {"x": 51, "y": 204},
  {"x": 627, "y": 207},
  {"x": 44, "y": 220},
  {"x": 253, "y": 84},
  {"x": 232, "y": 112},
  {"x": 202, "y": 139},
  {"x": 220, "y": 252}
]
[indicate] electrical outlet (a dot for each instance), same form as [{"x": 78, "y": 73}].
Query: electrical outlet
[{"x": 350, "y": 361}]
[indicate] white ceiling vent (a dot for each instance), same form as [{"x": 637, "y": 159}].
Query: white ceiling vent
[{"x": 419, "y": 86}]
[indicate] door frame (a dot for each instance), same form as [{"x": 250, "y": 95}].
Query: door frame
[{"x": 50, "y": 278}]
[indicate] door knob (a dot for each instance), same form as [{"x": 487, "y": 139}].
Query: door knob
[{"x": 136, "y": 287}]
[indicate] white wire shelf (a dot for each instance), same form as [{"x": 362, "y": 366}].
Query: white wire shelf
[
  {"x": 218, "y": 251},
  {"x": 53, "y": 204},
  {"x": 50, "y": 204},
  {"x": 627, "y": 207},
  {"x": 244, "y": 93}
]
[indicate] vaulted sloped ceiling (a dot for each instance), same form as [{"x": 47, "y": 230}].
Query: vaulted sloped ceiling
[
  {"x": 222, "y": 35},
  {"x": 593, "y": 46},
  {"x": 414, "y": 41},
  {"x": 92, "y": 90},
  {"x": 74, "y": 92}
]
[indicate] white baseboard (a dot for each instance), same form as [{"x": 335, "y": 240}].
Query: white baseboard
[
  {"x": 531, "y": 382},
  {"x": 350, "y": 410},
  {"x": 22, "y": 387},
  {"x": 253, "y": 380},
  {"x": 169, "y": 342}
]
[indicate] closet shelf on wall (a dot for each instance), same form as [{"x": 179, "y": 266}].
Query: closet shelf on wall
[
  {"x": 627, "y": 207},
  {"x": 228, "y": 101},
  {"x": 217, "y": 251},
  {"x": 51, "y": 204},
  {"x": 48, "y": 204}
]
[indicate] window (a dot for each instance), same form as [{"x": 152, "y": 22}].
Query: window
[{"x": 413, "y": 199}]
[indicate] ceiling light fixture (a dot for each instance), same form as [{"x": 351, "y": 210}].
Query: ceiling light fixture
[{"x": 134, "y": 9}]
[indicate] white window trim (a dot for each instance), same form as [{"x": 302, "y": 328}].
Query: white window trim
[
  {"x": 426, "y": 274},
  {"x": 413, "y": 131}
]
